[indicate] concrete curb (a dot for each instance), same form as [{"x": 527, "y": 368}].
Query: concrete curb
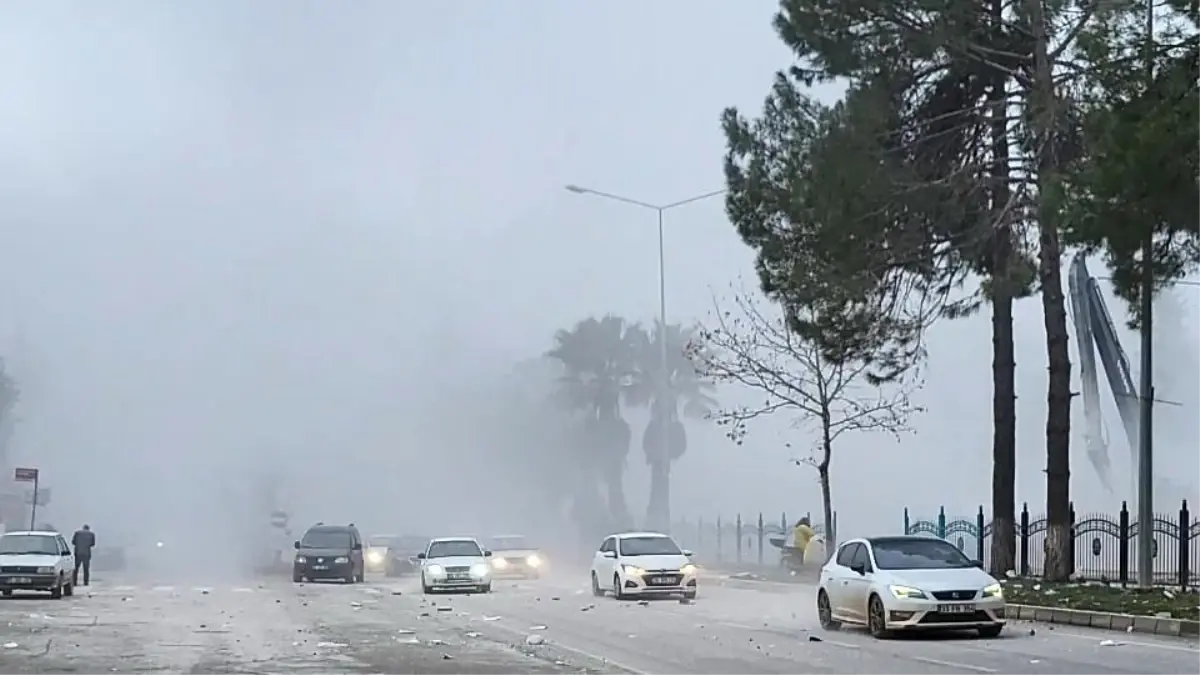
[{"x": 1125, "y": 623}]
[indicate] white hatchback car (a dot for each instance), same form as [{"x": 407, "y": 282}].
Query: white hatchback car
[
  {"x": 908, "y": 583},
  {"x": 36, "y": 561},
  {"x": 642, "y": 563},
  {"x": 455, "y": 563}
]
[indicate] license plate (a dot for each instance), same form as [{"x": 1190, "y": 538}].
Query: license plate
[
  {"x": 21, "y": 580},
  {"x": 956, "y": 609},
  {"x": 662, "y": 581},
  {"x": 458, "y": 575},
  {"x": 320, "y": 567}
]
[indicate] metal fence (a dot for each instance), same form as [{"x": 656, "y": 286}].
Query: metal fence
[
  {"x": 1105, "y": 544},
  {"x": 737, "y": 540}
]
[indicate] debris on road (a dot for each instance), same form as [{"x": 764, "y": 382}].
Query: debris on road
[
  {"x": 11, "y": 645},
  {"x": 535, "y": 640},
  {"x": 644, "y": 603},
  {"x": 537, "y": 627},
  {"x": 490, "y": 618},
  {"x": 1110, "y": 643},
  {"x": 331, "y": 645},
  {"x": 356, "y": 605},
  {"x": 445, "y": 609},
  {"x": 587, "y": 608},
  {"x": 447, "y": 657},
  {"x": 473, "y": 634},
  {"x": 814, "y": 638},
  {"x": 405, "y": 631}
]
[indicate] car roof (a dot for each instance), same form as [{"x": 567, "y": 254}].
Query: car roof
[
  {"x": 36, "y": 533},
  {"x": 332, "y": 528},
  {"x": 641, "y": 535},
  {"x": 901, "y": 537},
  {"x": 437, "y": 539}
]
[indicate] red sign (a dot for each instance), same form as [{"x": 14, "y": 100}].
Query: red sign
[{"x": 25, "y": 475}]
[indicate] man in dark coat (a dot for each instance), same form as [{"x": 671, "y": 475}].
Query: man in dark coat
[{"x": 83, "y": 541}]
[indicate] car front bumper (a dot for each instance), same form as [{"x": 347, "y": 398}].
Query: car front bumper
[
  {"x": 513, "y": 568},
  {"x": 647, "y": 584},
  {"x": 325, "y": 570},
  {"x": 28, "y": 582},
  {"x": 915, "y": 614}
]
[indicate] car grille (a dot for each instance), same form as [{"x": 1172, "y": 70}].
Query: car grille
[
  {"x": 954, "y": 595},
  {"x": 457, "y": 570},
  {"x": 18, "y": 569},
  {"x": 937, "y": 617}
]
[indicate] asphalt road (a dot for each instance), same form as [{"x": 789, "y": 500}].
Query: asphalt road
[{"x": 388, "y": 626}]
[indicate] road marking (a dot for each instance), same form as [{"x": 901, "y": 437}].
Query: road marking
[
  {"x": 949, "y": 664},
  {"x": 1114, "y": 636}
]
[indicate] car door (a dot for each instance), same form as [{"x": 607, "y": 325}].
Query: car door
[
  {"x": 356, "y": 551},
  {"x": 839, "y": 571},
  {"x": 858, "y": 586},
  {"x": 66, "y": 561},
  {"x": 602, "y": 564}
]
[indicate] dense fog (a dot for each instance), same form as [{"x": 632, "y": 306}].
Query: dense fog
[{"x": 310, "y": 256}]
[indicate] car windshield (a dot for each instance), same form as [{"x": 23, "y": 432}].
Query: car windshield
[
  {"x": 416, "y": 544},
  {"x": 326, "y": 539},
  {"x": 447, "y": 549},
  {"x": 380, "y": 542},
  {"x": 511, "y": 543},
  {"x": 37, "y": 544},
  {"x": 917, "y": 554},
  {"x": 649, "y": 546}
]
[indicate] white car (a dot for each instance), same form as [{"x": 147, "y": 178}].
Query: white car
[
  {"x": 455, "y": 563},
  {"x": 36, "y": 561},
  {"x": 908, "y": 583},
  {"x": 642, "y": 563}
]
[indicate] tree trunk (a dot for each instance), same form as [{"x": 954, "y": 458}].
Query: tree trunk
[
  {"x": 823, "y": 478},
  {"x": 1004, "y": 386},
  {"x": 1058, "y": 397},
  {"x": 658, "y": 510}
]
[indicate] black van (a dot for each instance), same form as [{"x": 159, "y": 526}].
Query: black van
[{"x": 329, "y": 552}]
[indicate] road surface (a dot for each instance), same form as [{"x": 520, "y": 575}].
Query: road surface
[{"x": 128, "y": 625}]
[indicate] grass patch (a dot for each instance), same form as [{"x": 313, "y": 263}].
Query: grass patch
[{"x": 1101, "y": 597}]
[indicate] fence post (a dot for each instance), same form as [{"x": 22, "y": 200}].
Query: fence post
[
  {"x": 907, "y": 525},
  {"x": 1185, "y": 547},
  {"x": 783, "y": 523},
  {"x": 1124, "y": 536},
  {"x": 941, "y": 522},
  {"x": 720, "y": 538},
  {"x": 1024, "y": 534},
  {"x": 979, "y": 536},
  {"x": 1071, "y": 548},
  {"x": 760, "y": 539},
  {"x": 738, "y": 531}
]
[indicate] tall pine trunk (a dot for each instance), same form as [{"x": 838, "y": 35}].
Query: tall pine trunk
[
  {"x": 658, "y": 510},
  {"x": 1059, "y": 540},
  {"x": 1004, "y": 385}
]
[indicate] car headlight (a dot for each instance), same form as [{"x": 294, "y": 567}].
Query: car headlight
[
  {"x": 434, "y": 570},
  {"x": 499, "y": 563},
  {"x": 534, "y": 561},
  {"x": 480, "y": 570},
  {"x": 688, "y": 569},
  {"x": 301, "y": 559},
  {"x": 633, "y": 570},
  {"x": 45, "y": 570},
  {"x": 907, "y": 592},
  {"x": 340, "y": 559},
  {"x": 993, "y": 591},
  {"x": 375, "y": 557}
]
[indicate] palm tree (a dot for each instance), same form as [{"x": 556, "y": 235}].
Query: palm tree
[
  {"x": 599, "y": 358},
  {"x": 686, "y": 393}
]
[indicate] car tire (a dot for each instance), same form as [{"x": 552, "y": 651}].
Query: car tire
[
  {"x": 825, "y": 612},
  {"x": 991, "y": 631},
  {"x": 877, "y": 618},
  {"x": 297, "y": 578},
  {"x": 57, "y": 592},
  {"x": 689, "y": 595},
  {"x": 486, "y": 588},
  {"x": 69, "y": 590},
  {"x": 425, "y": 589},
  {"x": 596, "y": 590},
  {"x": 6, "y": 593},
  {"x": 617, "y": 592}
]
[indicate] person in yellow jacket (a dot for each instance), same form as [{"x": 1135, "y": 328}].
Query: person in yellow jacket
[{"x": 802, "y": 534}]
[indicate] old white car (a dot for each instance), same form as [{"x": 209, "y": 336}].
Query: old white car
[{"x": 36, "y": 561}]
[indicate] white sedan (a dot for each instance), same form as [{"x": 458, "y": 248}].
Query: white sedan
[
  {"x": 642, "y": 563},
  {"x": 455, "y": 563},
  {"x": 908, "y": 583},
  {"x": 36, "y": 561}
]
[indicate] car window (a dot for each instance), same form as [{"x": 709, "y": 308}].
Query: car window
[
  {"x": 62, "y": 546},
  {"x": 607, "y": 545},
  {"x": 845, "y": 555},
  {"x": 510, "y": 543},
  {"x": 862, "y": 558},
  {"x": 635, "y": 546},
  {"x": 327, "y": 539},
  {"x": 456, "y": 547},
  {"x": 918, "y": 554},
  {"x": 36, "y": 544}
]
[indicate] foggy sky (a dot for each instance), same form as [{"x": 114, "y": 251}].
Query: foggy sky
[{"x": 240, "y": 235}]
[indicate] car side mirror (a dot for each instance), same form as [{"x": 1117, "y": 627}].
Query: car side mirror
[
  {"x": 977, "y": 563},
  {"x": 420, "y": 556},
  {"x": 687, "y": 553},
  {"x": 66, "y": 553},
  {"x": 609, "y": 554},
  {"x": 487, "y": 554},
  {"x": 860, "y": 568},
  {"x": 296, "y": 544},
  {"x": 357, "y": 547}
]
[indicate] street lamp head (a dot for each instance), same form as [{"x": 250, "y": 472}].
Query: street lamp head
[{"x": 576, "y": 189}]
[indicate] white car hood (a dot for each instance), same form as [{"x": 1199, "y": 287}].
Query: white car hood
[
  {"x": 456, "y": 561},
  {"x": 656, "y": 562},
  {"x": 29, "y": 560},
  {"x": 962, "y": 579}
]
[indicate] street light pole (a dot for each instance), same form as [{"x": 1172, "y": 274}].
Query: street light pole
[{"x": 664, "y": 379}]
